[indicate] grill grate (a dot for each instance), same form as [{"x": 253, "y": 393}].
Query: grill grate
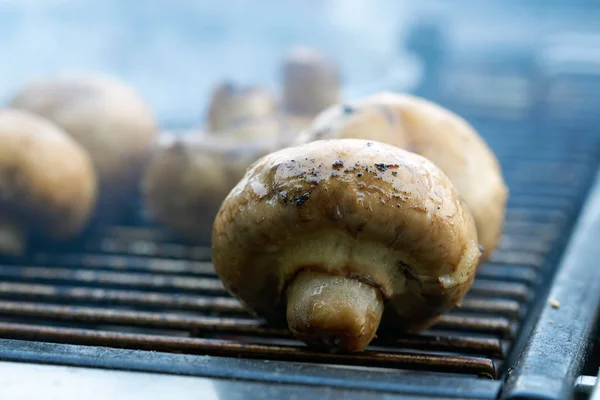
[{"x": 136, "y": 287}]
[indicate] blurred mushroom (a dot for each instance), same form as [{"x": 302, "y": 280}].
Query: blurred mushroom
[
  {"x": 310, "y": 82},
  {"x": 103, "y": 114},
  {"x": 47, "y": 182},
  {"x": 263, "y": 129},
  {"x": 434, "y": 132},
  {"x": 328, "y": 233},
  {"x": 233, "y": 105},
  {"x": 189, "y": 176}
]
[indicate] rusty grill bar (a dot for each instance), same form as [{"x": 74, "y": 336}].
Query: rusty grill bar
[{"x": 137, "y": 287}]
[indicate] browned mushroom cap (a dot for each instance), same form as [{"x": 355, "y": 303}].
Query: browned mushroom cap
[
  {"x": 189, "y": 176},
  {"x": 310, "y": 82},
  {"x": 104, "y": 115},
  {"x": 234, "y": 105},
  {"x": 47, "y": 181},
  {"x": 436, "y": 133},
  {"x": 329, "y": 232}
]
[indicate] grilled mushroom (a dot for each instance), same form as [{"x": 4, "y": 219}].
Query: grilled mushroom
[
  {"x": 435, "y": 133},
  {"x": 47, "y": 181},
  {"x": 104, "y": 115},
  {"x": 328, "y": 233},
  {"x": 189, "y": 176},
  {"x": 310, "y": 82},
  {"x": 233, "y": 106}
]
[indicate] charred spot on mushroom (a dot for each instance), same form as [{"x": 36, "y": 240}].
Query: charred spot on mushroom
[
  {"x": 359, "y": 174},
  {"x": 339, "y": 164},
  {"x": 381, "y": 167},
  {"x": 301, "y": 199}
]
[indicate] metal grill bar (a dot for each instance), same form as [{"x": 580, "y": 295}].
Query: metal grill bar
[
  {"x": 470, "y": 365},
  {"x": 509, "y": 273},
  {"x": 124, "y": 263},
  {"x": 507, "y": 290},
  {"x": 494, "y": 325},
  {"x": 518, "y": 257},
  {"x": 478, "y": 345},
  {"x": 189, "y": 302},
  {"x": 150, "y": 281},
  {"x": 165, "y": 320},
  {"x": 121, "y": 297},
  {"x": 151, "y": 249},
  {"x": 508, "y": 308}
]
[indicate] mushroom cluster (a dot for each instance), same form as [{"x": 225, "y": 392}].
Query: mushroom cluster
[
  {"x": 107, "y": 118},
  {"x": 434, "y": 132},
  {"x": 243, "y": 124},
  {"x": 189, "y": 176},
  {"x": 377, "y": 217},
  {"x": 337, "y": 219}
]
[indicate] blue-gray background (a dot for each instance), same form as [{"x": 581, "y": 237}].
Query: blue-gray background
[{"x": 174, "y": 51}]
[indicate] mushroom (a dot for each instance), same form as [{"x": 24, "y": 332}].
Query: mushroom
[
  {"x": 263, "y": 129},
  {"x": 47, "y": 182},
  {"x": 310, "y": 82},
  {"x": 327, "y": 234},
  {"x": 106, "y": 117},
  {"x": 434, "y": 132},
  {"x": 234, "y": 105},
  {"x": 188, "y": 177}
]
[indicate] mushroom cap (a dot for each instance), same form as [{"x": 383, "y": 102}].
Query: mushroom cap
[
  {"x": 311, "y": 82},
  {"x": 353, "y": 208},
  {"x": 233, "y": 105},
  {"x": 101, "y": 113},
  {"x": 434, "y": 132},
  {"x": 47, "y": 180},
  {"x": 189, "y": 176},
  {"x": 259, "y": 129}
]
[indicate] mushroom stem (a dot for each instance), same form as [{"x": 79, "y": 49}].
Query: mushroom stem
[
  {"x": 12, "y": 237},
  {"x": 332, "y": 311}
]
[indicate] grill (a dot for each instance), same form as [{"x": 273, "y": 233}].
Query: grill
[{"x": 137, "y": 287}]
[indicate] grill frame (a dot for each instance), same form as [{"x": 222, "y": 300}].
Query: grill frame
[
  {"x": 315, "y": 375},
  {"x": 555, "y": 353}
]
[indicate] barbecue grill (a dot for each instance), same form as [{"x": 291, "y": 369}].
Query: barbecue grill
[
  {"x": 136, "y": 287},
  {"x": 131, "y": 307}
]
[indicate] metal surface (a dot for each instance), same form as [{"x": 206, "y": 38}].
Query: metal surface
[
  {"x": 595, "y": 394},
  {"x": 125, "y": 297},
  {"x": 584, "y": 385},
  {"x": 69, "y": 383},
  {"x": 246, "y": 370},
  {"x": 555, "y": 352}
]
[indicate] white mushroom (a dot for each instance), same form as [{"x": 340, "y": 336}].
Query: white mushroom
[
  {"x": 47, "y": 182},
  {"x": 326, "y": 234}
]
